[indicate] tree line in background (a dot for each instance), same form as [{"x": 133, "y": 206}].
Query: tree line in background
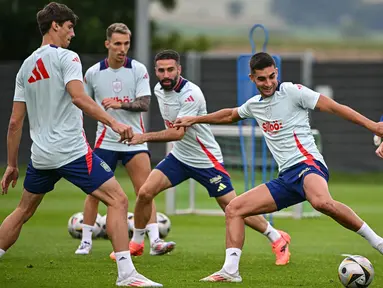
[{"x": 19, "y": 33}]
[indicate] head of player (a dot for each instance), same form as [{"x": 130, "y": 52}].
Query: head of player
[
  {"x": 168, "y": 69},
  {"x": 56, "y": 24},
  {"x": 264, "y": 73},
  {"x": 118, "y": 43}
]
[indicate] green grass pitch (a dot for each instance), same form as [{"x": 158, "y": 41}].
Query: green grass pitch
[{"x": 44, "y": 254}]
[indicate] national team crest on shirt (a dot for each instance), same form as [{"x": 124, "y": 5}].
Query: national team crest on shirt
[
  {"x": 117, "y": 86},
  {"x": 268, "y": 112},
  {"x": 166, "y": 110}
]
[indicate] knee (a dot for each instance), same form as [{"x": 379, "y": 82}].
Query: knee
[
  {"x": 323, "y": 205},
  {"x": 231, "y": 210},
  {"x": 145, "y": 194},
  {"x": 120, "y": 200}
]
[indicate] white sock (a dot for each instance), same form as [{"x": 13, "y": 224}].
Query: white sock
[
  {"x": 231, "y": 265},
  {"x": 366, "y": 232},
  {"x": 124, "y": 264},
  {"x": 2, "y": 252},
  {"x": 272, "y": 233},
  {"x": 87, "y": 231},
  {"x": 153, "y": 233},
  {"x": 138, "y": 235}
]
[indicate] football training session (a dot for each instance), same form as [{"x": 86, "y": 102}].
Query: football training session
[{"x": 176, "y": 143}]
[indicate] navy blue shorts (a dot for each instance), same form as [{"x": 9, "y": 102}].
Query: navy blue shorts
[
  {"x": 112, "y": 157},
  {"x": 88, "y": 173},
  {"x": 287, "y": 189},
  {"x": 216, "y": 179}
]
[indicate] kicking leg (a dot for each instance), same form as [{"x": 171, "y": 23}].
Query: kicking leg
[
  {"x": 11, "y": 227},
  {"x": 318, "y": 195},
  {"x": 254, "y": 202},
  {"x": 280, "y": 240}
]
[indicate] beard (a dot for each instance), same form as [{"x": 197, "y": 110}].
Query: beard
[{"x": 169, "y": 86}]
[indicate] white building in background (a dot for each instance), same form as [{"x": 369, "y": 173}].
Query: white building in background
[{"x": 216, "y": 16}]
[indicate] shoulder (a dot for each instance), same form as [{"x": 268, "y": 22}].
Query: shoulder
[
  {"x": 289, "y": 88},
  {"x": 67, "y": 54},
  {"x": 93, "y": 69},
  {"x": 136, "y": 65},
  {"x": 158, "y": 88}
]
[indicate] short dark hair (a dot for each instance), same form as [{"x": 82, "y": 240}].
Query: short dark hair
[
  {"x": 261, "y": 61},
  {"x": 57, "y": 12},
  {"x": 167, "y": 54}
]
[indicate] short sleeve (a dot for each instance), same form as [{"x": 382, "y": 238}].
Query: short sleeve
[
  {"x": 244, "y": 110},
  {"x": 88, "y": 83},
  {"x": 142, "y": 81},
  {"x": 19, "y": 88},
  {"x": 71, "y": 67},
  {"x": 192, "y": 101},
  {"x": 304, "y": 97}
]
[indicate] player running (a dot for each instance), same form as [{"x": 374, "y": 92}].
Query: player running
[
  {"x": 49, "y": 85},
  {"x": 281, "y": 110},
  {"x": 195, "y": 154},
  {"x": 121, "y": 85}
]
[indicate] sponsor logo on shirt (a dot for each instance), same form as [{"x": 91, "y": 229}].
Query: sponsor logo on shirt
[
  {"x": 272, "y": 127},
  {"x": 169, "y": 124},
  {"x": 124, "y": 99}
]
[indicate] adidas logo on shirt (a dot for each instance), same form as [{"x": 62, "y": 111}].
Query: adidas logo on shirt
[
  {"x": 221, "y": 187},
  {"x": 189, "y": 99},
  {"x": 76, "y": 59}
]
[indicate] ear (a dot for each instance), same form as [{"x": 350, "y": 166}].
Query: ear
[
  {"x": 180, "y": 69},
  {"x": 276, "y": 72},
  {"x": 107, "y": 44},
  {"x": 55, "y": 26},
  {"x": 252, "y": 77}
]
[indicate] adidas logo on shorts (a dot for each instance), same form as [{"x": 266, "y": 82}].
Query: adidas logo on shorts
[{"x": 221, "y": 187}]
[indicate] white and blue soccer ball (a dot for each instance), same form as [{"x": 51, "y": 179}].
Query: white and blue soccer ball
[
  {"x": 130, "y": 224},
  {"x": 102, "y": 222},
  {"x": 356, "y": 272},
  {"x": 75, "y": 223},
  {"x": 164, "y": 224}
]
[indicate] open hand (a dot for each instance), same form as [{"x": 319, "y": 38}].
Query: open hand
[{"x": 11, "y": 174}]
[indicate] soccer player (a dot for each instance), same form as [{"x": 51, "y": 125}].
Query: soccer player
[
  {"x": 281, "y": 110},
  {"x": 49, "y": 86},
  {"x": 195, "y": 154},
  {"x": 121, "y": 86}
]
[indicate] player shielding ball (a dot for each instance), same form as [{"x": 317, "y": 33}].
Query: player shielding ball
[
  {"x": 195, "y": 154},
  {"x": 121, "y": 86},
  {"x": 49, "y": 85},
  {"x": 281, "y": 110}
]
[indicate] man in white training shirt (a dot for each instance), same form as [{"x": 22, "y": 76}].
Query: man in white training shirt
[
  {"x": 120, "y": 85},
  {"x": 281, "y": 110},
  {"x": 195, "y": 154},
  {"x": 49, "y": 86}
]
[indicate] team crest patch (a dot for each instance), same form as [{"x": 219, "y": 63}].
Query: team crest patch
[
  {"x": 117, "y": 86},
  {"x": 105, "y": 166}
]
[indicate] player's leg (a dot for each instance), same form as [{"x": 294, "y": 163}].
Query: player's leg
[
  {"x": 95, "y": 177},
  {"x": 317, "y": 193},
  {"x": 36, "y": 184},
  {"x": 138, "y": 167},
  {"x": 91, "y": 205},
  {"x": 256, "y": 201},
  {"x": 279, "y": 240},
  {"x": 168, "y": 173},
  {"x": 11, "y": 227}
]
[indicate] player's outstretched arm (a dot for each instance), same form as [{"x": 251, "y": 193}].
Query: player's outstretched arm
[
  {"x": 223, "y": 116},
  {"x": 328, "y": 105},
  {"x": 88, "y": 106},
  {"x": 168, "y": 135},
  {"x": 15, "y": 129},
  {"x": 140, "y": 104}
]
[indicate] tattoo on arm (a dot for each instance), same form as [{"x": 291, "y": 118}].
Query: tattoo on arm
[{"x": 140, "y": 104}]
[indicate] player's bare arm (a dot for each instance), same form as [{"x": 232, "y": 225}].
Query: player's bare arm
[
  {"x": 88, "y": 106},
  {"x": 224, "y": 116},
  {"x": 13, "y": 142},
  {"x": 168, "y": 135},
  {"x": 326, "y": 104},
  {"x": 140, "y": 104}
]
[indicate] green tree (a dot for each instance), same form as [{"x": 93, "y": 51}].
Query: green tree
[{"x": 19, "y": 34}]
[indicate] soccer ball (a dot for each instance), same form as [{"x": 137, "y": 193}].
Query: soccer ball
[
  {"x": 164, "y": 224},
  {"x": 356, "y": 271},
  {"x": 75, "y": 223},
  {"x": 102, "y": 222},
  {"x": 130, "y": 224}
]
